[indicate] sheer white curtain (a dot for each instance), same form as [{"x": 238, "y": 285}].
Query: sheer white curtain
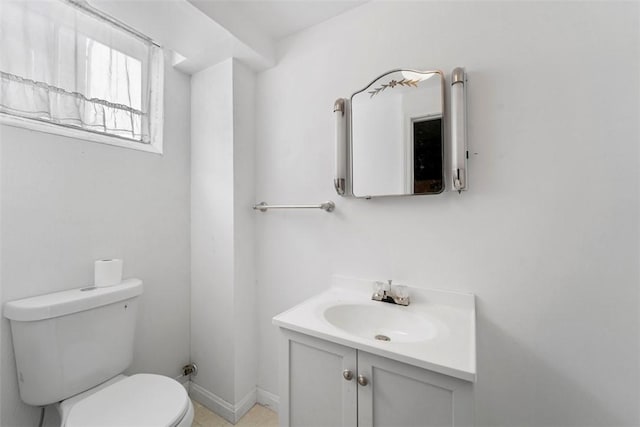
[{"x": 62, "y": 65}]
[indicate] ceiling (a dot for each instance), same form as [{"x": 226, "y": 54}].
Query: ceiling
[
  {"x": 200, "y": 33},
  {"x": 274, "y": 19}
]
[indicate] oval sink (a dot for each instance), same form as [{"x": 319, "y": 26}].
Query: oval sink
[{"x": 380, "y": 322}]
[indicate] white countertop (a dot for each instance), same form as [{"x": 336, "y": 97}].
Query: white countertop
[{"x": 451, "y": 352}]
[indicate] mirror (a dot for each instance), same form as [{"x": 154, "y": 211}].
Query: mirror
[{"x": 396, "y": 141}]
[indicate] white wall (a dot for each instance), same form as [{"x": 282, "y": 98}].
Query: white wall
[
  {"x": 547, "y": 236},
  {"x": 223, "y": 315},
  {"x": 212, "y": 228},
  {"x": 66, "y": 202},
  {"x": 2, "y": 357},
  {"x": 245, "y": 317}
]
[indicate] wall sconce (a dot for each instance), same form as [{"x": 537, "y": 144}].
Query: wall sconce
[
  {"x": 340, "y": 177},
  {"x": 459, "y": 150}
]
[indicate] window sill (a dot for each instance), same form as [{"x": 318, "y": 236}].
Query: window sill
[{"x": 77, "y": 133}]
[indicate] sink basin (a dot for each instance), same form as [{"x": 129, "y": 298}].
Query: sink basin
[{"x": 380, "y": 322}]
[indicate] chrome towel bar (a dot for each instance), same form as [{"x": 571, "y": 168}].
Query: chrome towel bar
[{"x": 328, "y": 206}]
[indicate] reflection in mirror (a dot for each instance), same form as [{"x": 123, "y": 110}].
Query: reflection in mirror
[{"x": 397, "y": 135}]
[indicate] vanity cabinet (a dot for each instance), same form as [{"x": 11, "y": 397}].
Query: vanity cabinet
[{"x": 327, "y": 384}]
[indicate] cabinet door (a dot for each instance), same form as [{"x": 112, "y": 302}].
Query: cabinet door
[
  {"x": 401, "y": 395},
  {"x": 313, "y": 390}
]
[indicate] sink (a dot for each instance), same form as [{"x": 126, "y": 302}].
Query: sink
[
  {"x": 437, "y": 331},
  {"x": 380, "y": 322}
]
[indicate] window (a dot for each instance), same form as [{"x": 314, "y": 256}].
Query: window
[{"x": 66, "y": 68}]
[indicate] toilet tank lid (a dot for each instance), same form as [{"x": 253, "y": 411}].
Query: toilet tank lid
[{"x": 72, "y": 301}]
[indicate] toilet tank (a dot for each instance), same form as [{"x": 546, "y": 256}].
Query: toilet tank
[{"x": 68, "y": 342}]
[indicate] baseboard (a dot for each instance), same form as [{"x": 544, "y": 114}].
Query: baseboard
[
  {"x": 245, "y": 404},
  {"x": 212, "y": 402},
  {"x": 267, "y": 399},
  {"x": 226, "y": 410}
]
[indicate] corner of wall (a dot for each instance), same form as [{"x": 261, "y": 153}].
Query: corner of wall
[{"x": 223, "y": 340}]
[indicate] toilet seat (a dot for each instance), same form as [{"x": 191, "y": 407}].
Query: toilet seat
[{"x": 138, "y": 400}]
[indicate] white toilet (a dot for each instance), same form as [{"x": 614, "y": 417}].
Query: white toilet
[{"x": 71, "y": 348}]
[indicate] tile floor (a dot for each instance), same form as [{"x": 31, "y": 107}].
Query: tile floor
[{"x": 258, "y": 416}]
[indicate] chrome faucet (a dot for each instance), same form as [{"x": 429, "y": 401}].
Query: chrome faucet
[{"x": 387, "y": 292}]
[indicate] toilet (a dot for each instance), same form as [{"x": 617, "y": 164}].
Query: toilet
[{"x": 71, "y": 349}]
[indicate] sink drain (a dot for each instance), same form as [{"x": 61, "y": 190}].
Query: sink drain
[{"x": 382, "y": 338}]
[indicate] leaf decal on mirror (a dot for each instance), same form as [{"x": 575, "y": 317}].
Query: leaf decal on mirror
[{"x": 394, "y": 83}]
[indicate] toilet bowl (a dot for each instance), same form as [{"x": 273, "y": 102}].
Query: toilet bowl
[
  {"x": 139, "y": 400},
  {"x": 71, "y": 348}
]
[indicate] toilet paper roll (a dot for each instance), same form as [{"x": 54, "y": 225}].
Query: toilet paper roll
[{"x": 107, "y": 272}]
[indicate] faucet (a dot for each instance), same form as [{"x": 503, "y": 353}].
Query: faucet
[{"x": 394, "y": 294}]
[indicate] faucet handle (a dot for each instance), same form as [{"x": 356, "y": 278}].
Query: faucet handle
[
  {"x": 378, "y": 287},
  {"x": 401, "y": 291}
]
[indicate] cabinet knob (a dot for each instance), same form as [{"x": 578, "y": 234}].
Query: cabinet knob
[
  {"x": 362, "y": 380},
  {"x": 347, "y": 374}
]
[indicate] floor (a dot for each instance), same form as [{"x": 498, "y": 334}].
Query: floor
[{"x": 258, "y": 416}]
